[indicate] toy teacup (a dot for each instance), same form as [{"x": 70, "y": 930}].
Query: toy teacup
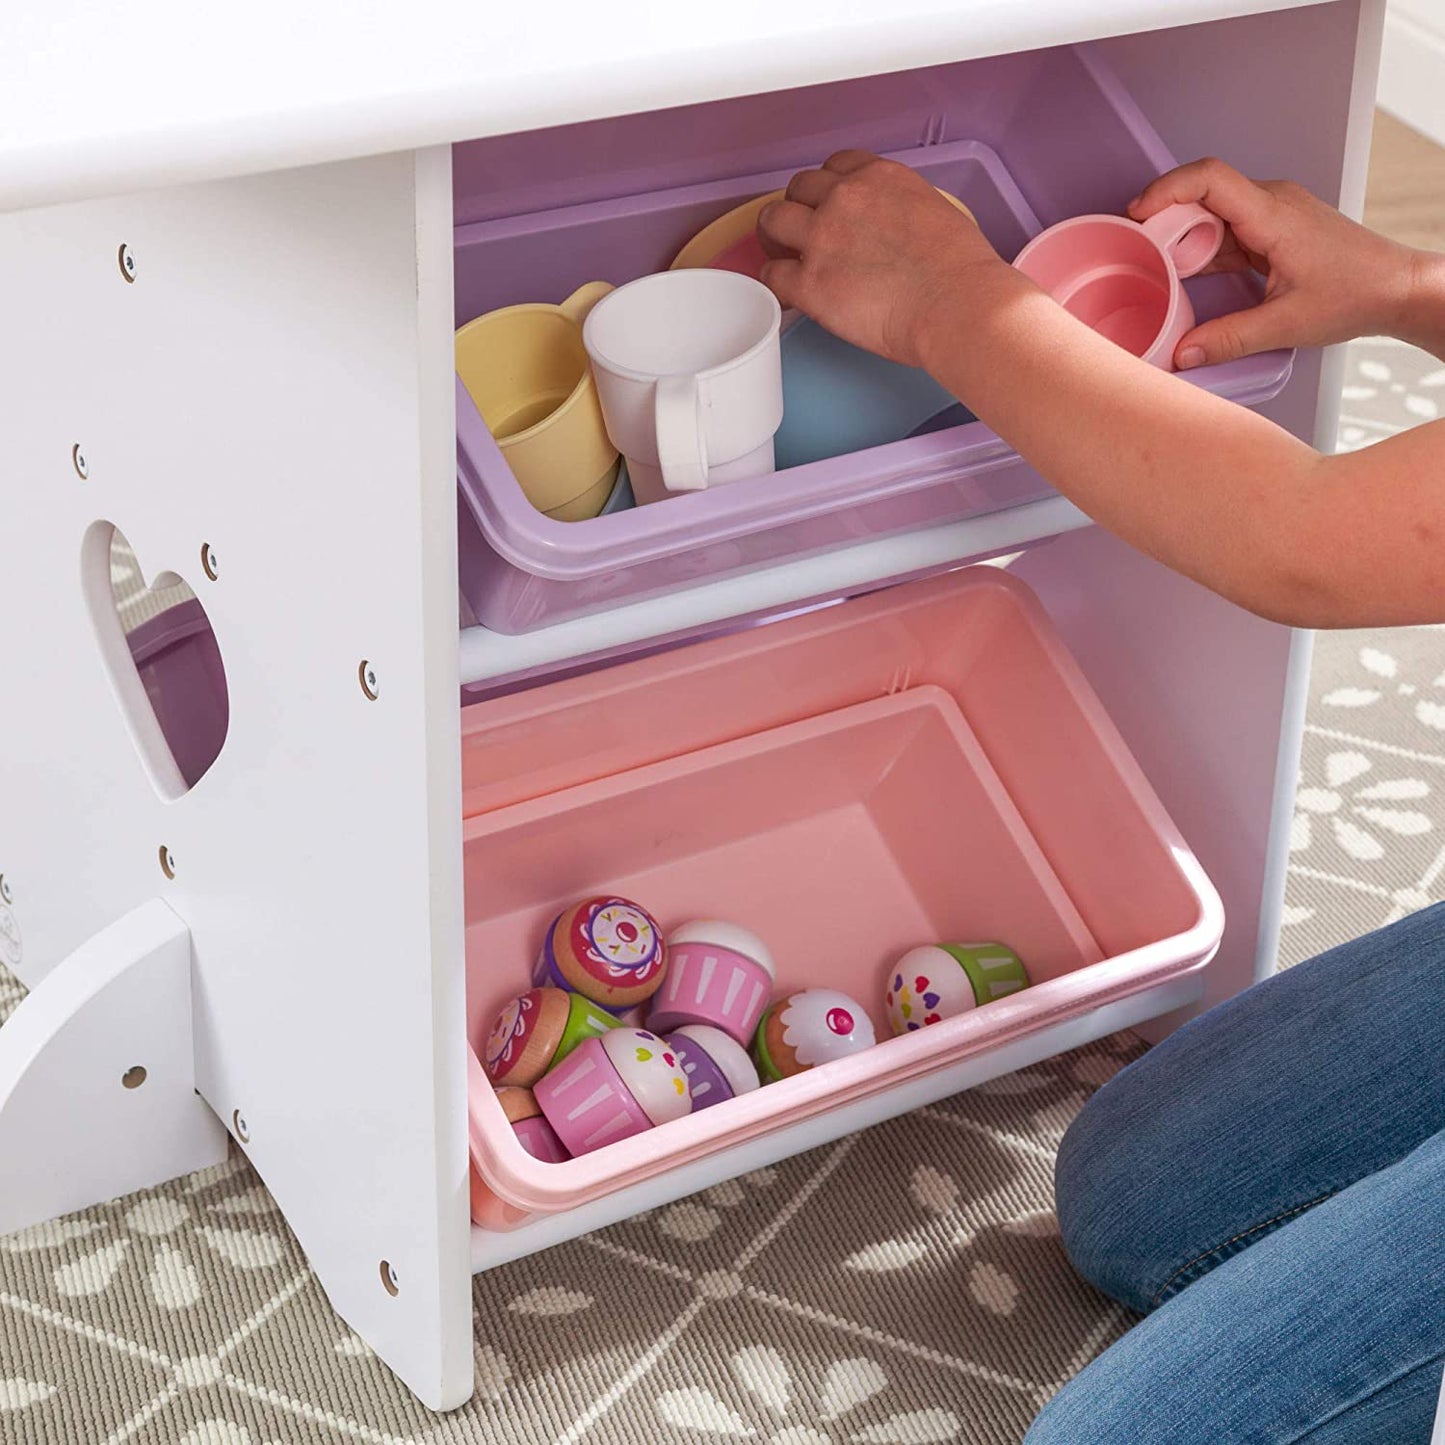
[
  {"x": 1123, "y": 278},
  {"x": 526, "y": 369}
]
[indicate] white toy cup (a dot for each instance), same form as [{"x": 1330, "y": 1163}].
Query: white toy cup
[{"x": 690, "y": 378}]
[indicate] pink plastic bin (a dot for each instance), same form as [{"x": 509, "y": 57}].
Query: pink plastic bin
[
  {"x": 915, "y": 765},
  {"x": 1045, "y": 135}
]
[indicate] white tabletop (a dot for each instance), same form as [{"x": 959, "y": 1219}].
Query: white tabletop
[{"x": 98, "y": 97}]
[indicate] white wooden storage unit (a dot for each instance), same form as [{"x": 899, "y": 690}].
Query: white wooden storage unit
[{"x": 228, "y": 306}]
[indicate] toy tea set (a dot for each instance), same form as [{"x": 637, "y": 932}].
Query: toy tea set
[
  {"x": 626, "y": 1029},
  {"x": 694, "y": 377}
]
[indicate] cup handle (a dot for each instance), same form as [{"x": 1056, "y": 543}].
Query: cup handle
[
  {"x": 677, "y": 414},
  {"x": 1188, "y": 234},
  {"x": 583, "y": 299}
]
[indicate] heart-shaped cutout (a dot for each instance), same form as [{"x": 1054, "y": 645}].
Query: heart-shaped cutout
[
  {"x": 643, "y": 1055},
  {"x": 162, "y": 658}
]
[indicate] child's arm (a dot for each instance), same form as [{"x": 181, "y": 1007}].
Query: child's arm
[{"x": 1210, "y": 489}]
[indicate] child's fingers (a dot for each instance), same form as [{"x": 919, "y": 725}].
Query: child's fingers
[
  {"x": 1265, "y": 327},
  {"x": 811, "y": 188},
  {"x": 1232, "y": 257},
  {"x": 785, "y": 226},
  {"x": 1210, "y": 183},
  {"x": 844, "y": 163},
  {"x": 784, "y": 278}
]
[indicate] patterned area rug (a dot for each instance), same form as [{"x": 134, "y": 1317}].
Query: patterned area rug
[{"x": 901, "y": 1287}]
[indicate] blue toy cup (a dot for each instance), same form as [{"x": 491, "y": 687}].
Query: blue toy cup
[{"x": 838, "y": 398}]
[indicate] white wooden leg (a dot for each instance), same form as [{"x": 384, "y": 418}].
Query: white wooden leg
[{"x": 97, "y": 1075}]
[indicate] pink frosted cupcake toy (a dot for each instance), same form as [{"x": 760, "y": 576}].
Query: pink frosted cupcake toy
[
  {"x": 810, "y": 1028},
  {"x": 717, "y": 1066},
  {"x": 605, "y": 948},
  {"x": 717, "y": 973},
  {"x": 613, "y": 1087}
]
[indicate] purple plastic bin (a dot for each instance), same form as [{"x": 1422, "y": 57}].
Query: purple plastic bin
[
  {"x": 180, "y": 665},
  {"x": 1051, "y": 134}
]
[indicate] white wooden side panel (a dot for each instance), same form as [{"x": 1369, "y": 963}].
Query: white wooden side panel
[
  {"x": 97, "y": 1075},
  {"x": 275, "y": 382}
]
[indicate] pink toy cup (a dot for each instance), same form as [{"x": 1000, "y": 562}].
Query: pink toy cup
[{"x": 1123, "y": 278}]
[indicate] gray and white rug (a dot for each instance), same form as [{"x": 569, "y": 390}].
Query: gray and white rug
[{"x": 901, "y": 1287}]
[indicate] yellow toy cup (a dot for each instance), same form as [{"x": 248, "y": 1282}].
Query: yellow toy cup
[{"x": 526, "y": 369}]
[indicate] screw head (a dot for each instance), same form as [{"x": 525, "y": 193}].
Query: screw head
[
  {"x": 5, "y": 895},
  {"x": 209, "y": 563},
  {"x": 134, "y": 1077},
  {"x": 366, "y": 674},
  {"x": 78, "y": 461},
  {"x": 168, "y": 862},
  {"x": 241, "y": 1128},
  {"x": 126, "y": 258}
]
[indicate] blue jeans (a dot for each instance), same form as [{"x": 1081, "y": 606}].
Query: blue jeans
[{"x": 1267, "y": 1186}]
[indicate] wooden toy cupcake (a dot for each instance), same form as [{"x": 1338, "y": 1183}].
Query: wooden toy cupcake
[
  {"x": 717, "y": 1066},
  {"x": 538, "y": 1029},
  {"x": 605, "y": 948},
  {"x": 613, "y": 1087},
  {"x": 810, "y": 1028},
  {"x": 942, "y": 980},
  {"x": 717, "y": 973}
]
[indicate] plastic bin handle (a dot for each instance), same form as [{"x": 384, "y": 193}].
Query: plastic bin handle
[{"x": 680, "y": 450}]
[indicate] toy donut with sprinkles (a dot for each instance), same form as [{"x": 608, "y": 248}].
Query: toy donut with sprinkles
[{"x": 606, "y": 948}]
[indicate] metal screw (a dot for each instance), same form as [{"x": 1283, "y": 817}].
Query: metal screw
[
  {"x": 168, "y": 862},
  {"x": 389, "y": 1281},
  {"x": 127, "y": 263},
  {"x": 366, "y": 673},
  {"x": 209, "y": 565},
  {"x": 78, "y": 461},
  {"x": 242, "y": 1130},
  {"x": 133, "y": 1078},
  {"x": 5, "y": 895}
]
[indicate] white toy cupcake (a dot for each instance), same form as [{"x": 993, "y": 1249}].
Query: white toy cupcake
[{"x": 816, "y": 1026}]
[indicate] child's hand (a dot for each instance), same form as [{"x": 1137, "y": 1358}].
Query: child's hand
[
  {"x": 869, "y": 249},
  {"x": 1328, "y": 279}
]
